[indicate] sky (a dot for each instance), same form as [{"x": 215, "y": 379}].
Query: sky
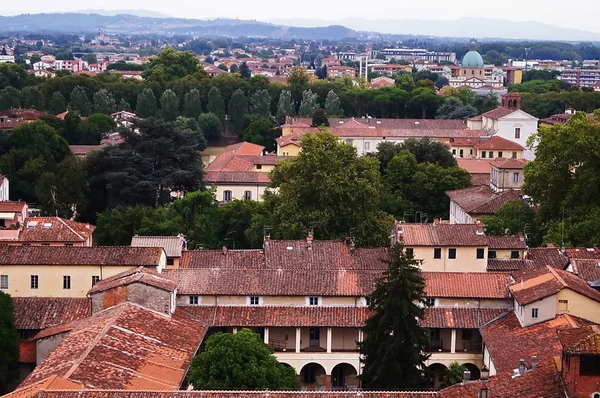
[{"x": 577, "y": 14}]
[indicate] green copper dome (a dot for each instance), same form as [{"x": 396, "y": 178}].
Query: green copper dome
[{"x": 472, "y": 59}]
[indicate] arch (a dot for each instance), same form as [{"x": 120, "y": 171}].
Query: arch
[
  {"x": 436, "y": 374},
  {"x": 312, "y": 373},
  {"x": 475, "y": 372},
  {"x": 344, "y": 377}
]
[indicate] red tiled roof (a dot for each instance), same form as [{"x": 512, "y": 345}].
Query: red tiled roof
[
  {"x": 467, "y": 285},
  {"x": 22, "y": 114},
  {"x": 583, "y": 253},
  {"x": 459, "y": 318},
  {"x": 582, "y": 341},
  {"x": 74, "y": 255},
  {"x": 475, "y": 166},
  {"x": 482, "y": 199},
  {"x": 12, "y": 207},
  {"x": 395, "y": 124},
  {"x": 35, "y": 313},
  {"x": 506, "y": 242},
  {"x": 247, "y": 259},
  {"x": 234, "y": 394},
  {"x": 588, "y": 270},
  {"x": 551, "y": 256},
  {"x": 503, "y": 265},
  {"x": 241, "y": 177},
  {"x": 480, "y": 179},
  {"x": 498, "y": 143},
  {"x": 54, "y": 229},
  {"x": 498, "y": 113},
  {"x": 135, "y": 275},
  {"x": 83, "y": 150},
  {"x": 126, "y": 347},
  {"x": 443, "y": 235},
  {"x": 37, "y": 388},
  {"x": 509, "y": 163},
  {"x": 27, "y": 351}
]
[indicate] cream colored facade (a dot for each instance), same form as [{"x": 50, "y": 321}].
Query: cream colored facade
[
  {"x": 466, "y": 259},
  {"x": 274, "y": 300},
  {"x": 239, "y": 191},
  {"x": 503, "y": 179},
  {"x": 566, "y": 301}
]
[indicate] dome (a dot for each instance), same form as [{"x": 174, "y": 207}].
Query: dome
[
  {"x": 472, "y": 59},
  {"x": 447, "y": 69},
  {"x": 498, "y": 71}
]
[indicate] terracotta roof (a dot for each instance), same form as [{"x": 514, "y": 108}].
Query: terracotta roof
[
  {"x": 35, "y": 389},
  {"x": 125, "y": 347},
  {"x": 498, "y": 143},
  {"x": 54, "y": 229},
  {"x": 34, "y": 313},
  {"x": 75, "y": 255},
  {"x": 583, "y": 253},
  {"x": 22, "y": 113},
  {"x": 395, "y": 124},
  {"x": 551, "y": 256},
  {"x": 498, "y": 113},
  {"x": 141, "y": 275},
  {"x": 279, "y": 316},
  {"x": 235, "y": 394},
  {"x": 588, "y": 270},
  {"x": 83, "y": 150},
  {"x": 506, "y": 242},
  {"x": 545, "y": 283},
  {"x": 14, "y": 207},
  {"x": 459, "y": 318},
  {"x": 582, "y": 341},
  {"x": 27, "y": 352},
  {"x": 503, "y": 265},
  {"x": 482, "y": 199},
  {"x": 475, "y": 166},
  {"x": 480, "y": 179},
  {"x": 443, "y": 235},
  {"x": 467, "y": 284},
  {"x": 509, "y": 163},
  {"x": 245, "y": 149},
  {"x": 293, "y": 138},
  {"x": 173, "y": 245},
  {"x": 247, "y": 259},
  {"x": 240, "y": 177}
]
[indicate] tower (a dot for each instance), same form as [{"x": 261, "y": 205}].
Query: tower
[{"x": 511, "y": 101}]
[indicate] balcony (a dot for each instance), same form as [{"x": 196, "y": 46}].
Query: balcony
[{"x": 455, "y": 341}]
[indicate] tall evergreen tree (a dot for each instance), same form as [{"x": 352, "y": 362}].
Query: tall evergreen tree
[
  {"x": 124, "y": 106},
  {"x": 309, "y": 104},
  {"x": 9, "y": 98},
  {"x": 104, "y": 102},
  {"x": 216, "y": 104},
  {"x": 80, "y": 102},
  {"x": 245, "y": 71},
  {"x": 169, "y": 105},
  {"x": 57, "y": 103},
  {"x": 192, "y": 105},
  {"x": 146, "y": 104},
  {"x": 238, "y": 108},
  {"x": 34, "y": 99},
  {"x": 9, "y": 343},
  {"x": 332, "y": 105},
  {"x": 395, "y": 344},
  {"x": 285, "y": 106},
  {"x": 210, "y": 126},
  {"x": 319, "y": 118},
  {"x": 260, "y": 104}
]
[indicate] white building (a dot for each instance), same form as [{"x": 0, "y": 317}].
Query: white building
[
  {"x": 7, "y": 58},
  {"x": 3, "y": 189}
]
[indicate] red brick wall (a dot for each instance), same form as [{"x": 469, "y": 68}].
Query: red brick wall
[{"x": 578, "y": 386}]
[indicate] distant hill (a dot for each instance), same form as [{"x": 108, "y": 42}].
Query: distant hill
[{"x": 110, "y": 13}]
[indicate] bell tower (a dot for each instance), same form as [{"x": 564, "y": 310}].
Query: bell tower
[{"x": 511, "y": 101}]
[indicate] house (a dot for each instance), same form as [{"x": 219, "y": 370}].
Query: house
[
  {"x": 479, "y": 169},
  {"x": 485, "y": 147},
  {"x": 581, "y": 361},
  {"x": 4, "y": 184},
  {"x": 382, "y": 81},
  {"x": 11, "y": 118},
  {"x": 507, "y": 174},
  {"x": 469, "y": 205},
  {"x": 341, "y": 71},
  {"x": 173, "y": 246},
  {"x": 241, "y": 171},
  {"x": 39, "y": 271}
]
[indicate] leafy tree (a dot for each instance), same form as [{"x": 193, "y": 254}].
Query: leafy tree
[
  {"x": 211, "y": 126},
  {"x": 90, "y": 58},
  {"x": 192, "y": 104},
  {"x": 442, "y": 82},
  {"x": 104, "y": 102},
  {"x": 34, "y": 99},
  {"x": 285, "y": 106},
  {"x": 238, "y": 108},
  {"x": 235, "y": 219},
  {"x": 258, "y": 131},
  {"x": 193, "y": 126},
  {"x": 394, "y": 347},
  {"x": 454, "y": 374},
  {"x": 169, "y": 105},
  {"x": 260, "y": 104},
  {"x": 332, "y": 105},
  {"x": 12, "y": 75},
  {"x": 80, "y": 102},
  {"x": 495, "y": 58},
  {"x": 405, "y": 82},
  {"x": 9, "y": 344},
  {"x": 424, "y": 102},
  {"x": 245, "y": 71},
  {"x": 429, "y": 150},
  {"x": 124, "y": 106},
  {"x": 146, "y": 104},
  {"x": 513, "y": 217},
  {"x": 297, "y": 76},
  {"x": 319, "y": 118},
  {"x": 233, "y": 68},
  {"x": 171, "y": 64},
  {"x": 240, "y": 361},
  {"x": 323, "y": 188},
  {"x": 216, "y": 104},
  {"x": 309, "y": 104},
  {"x": 9, "y": 98},
  {"x": 453, "y": 108},
  {"x": 57, "y": 103}
]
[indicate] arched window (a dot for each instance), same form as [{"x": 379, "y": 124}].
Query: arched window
[
  {"x": 248, "y": 195},
  {"x": 226, "y": 196}
]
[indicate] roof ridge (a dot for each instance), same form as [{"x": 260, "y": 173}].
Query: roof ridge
[
  {"x": 68, "y": 226},
  {"x": 556, "y": 276}
]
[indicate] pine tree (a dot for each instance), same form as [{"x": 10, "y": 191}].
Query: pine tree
[
  {"x": 285, "y": 106},
  {"x": 192, "y": 105},
  {"x": 260, "y": 104},
  {"x": 9, "y": 98},
  {"x": 319, "y": 118},
  {"x": 146, "y": 104},
  {"x": 332, "y": 104},
  {"x": 238, "y": 108},
  {"x": 309, "y": 104},
  {"x": 104, "y": 102},
  {"x": 245, "y": 71},
  {"x": 216, "y": 104},
  {"x": 80, "y": 102},
  {"x": 9, "y": 343},
  {"x": 169, "y": 105},
  {"x": 394, "y": 347},
  {"x": 34, "y": 99},
  {"x": 57, "y": 103},
  {"x": 124, "y": 106}
]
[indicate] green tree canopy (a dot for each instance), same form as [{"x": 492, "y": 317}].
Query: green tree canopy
[
  {"x": 9, "y": 344},
  {"x": 240, "y": 361},
  {"x": 513, "y": 217},
  {"x": 169, "y": 105},
  {"x": 260, "y": 104},
  {"x": 454, "y": 374},
  {"x": 34, "y": 99},
  {"x": 309, "y": 104},
  {"x": 171, "y": 64},
  {"x": 146, "y": 104},
  {"x": 9, "y": 98},
  {"x": 259, "y": 132},
  {"x": 332, "y": 105},
  {"x": 245, "y": 71},
  {"x": 211, "y": 126},
  {"x": 394, "y": 347},
  {"x": 104, "y": 102},
  {"x": 124, "y": 106},
  {"x": 57, "y": 103},
  {"x": 80, "y": 102},
  {"x": 216, "y": 104},
  {"x": 238, "y": 108},
  {"x": 192, "y": 104},
  {"x": 285, "y": 106},
  {"x": 319, "y": 118}
]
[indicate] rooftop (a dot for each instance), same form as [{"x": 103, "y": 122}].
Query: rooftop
[
  {"x": 36, "y": 313},
  {"x": 173, "y": 245},
  {"x": 55, "y": 229},
  {"x": 141, "y": 275},
  {"x": 442, "y": 234},
  {"x": 467, "y": 285},
  {"x": 482, "y": 199}
]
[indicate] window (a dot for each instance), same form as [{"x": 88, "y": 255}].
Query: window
[
  {"x": 452, "y": 253},
  {"x": 367, "y": 146},
  {"x": 589, "y": 365},
  {"x": 515, "y": 177},
  {"x": 66, "y": 282},
  {"x": 226, "y": 196},
  {"x": 434, "y": 334},
  {"x": 492, "y": 254},
  {"x": 258, "y": 166},
  {"x": 563, "y": 305},
  {"x": 460, "y": 153},
  {"x": 194, "y": 300},
  {"x": 410, "y": 252},
  {"x": 254, "y": 300},
  {"x": 430, "y": 301},
  {"x": 470, "y": 152},
  {"x": 170, "y": 261},
  {"x": 247, "y": 195},
  {"x": 437, "y": 252},
  {"x": 514, "y": 254},
  {"x": 514, "y": 155},
  {"x": 517, "y": 132},
  {"x": 491, "y": 154},
  {"x": 483, "y": 154},
  {"x": 68, "y": 244},
  {"x": 3, "y": 281},
  {"x": 467, "y": 334},
  {"x": 34, "y": 281},
  {"x": 45, "y": 244},
  {"x": 313, "y": 300},
  {"x": 499, "y": 154},
  {"x": 480, "y": 253},
  {"x": 95, "y": 279},
  {"x": 534, "y": 312},
  {"x": 454, "y": 152}
]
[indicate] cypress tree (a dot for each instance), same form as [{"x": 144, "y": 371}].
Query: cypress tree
[
  {"x": 260, "y": 104},
  {"x": 285, "y": 106},
  {"x": 309, "y": 104},
  {"x": 80, "y": 102},
  {"x": 104, "y": 102},
  {"x": 9, "y": 343},
  {"x": 57, "y": 103},
  {"x": 394, "y": 347},
  {"x": 9, "y": 98},
  {"x": 216, "y": 104},
  {"x": 192, "y": 104},
  {"x": 34, "y": 99},
  {"x": 124, "y": 106},
  {"x": 238, "y": 108},
  {"x": 332, "y": 104},
  {"x": 146, "y": 104},
  {"x": 169, "y": 105},
  {"x": 320, "y": 118}
]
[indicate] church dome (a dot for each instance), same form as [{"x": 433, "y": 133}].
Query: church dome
[
  {"x": 472, "y": 59},
  {"x": 447, "y": 69}
]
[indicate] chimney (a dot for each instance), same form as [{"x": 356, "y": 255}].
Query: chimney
[
  {"x": 466, "y": 377},
  {"x": 224, "y": 250},
  {"x": 533, "y": 362},
  {"x": 522, "y": 367},
  {"x": 521, "y": 236},
  {"x": 436, "y": 220}
]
